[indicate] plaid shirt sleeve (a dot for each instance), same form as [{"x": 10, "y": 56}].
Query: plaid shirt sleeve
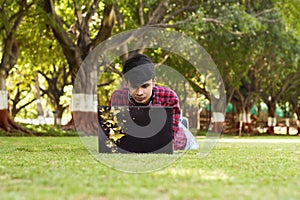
[
  {"x": 119, "y": 98},
  {"x": 167, "y": 97},
  {"x": 179, "y": 141}
]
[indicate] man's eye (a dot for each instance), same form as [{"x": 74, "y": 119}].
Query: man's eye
[{"x": 145, "y": 85}]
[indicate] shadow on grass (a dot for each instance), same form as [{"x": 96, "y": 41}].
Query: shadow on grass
[{"x": 43, "y": 130}]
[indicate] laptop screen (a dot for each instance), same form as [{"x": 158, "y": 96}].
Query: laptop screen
[{"x": 136, "y": 129}]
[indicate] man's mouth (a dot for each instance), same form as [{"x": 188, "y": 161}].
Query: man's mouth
[{"x": 140, "y": 99}]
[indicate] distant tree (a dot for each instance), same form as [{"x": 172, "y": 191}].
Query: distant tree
[
  {"x": 12, "y": 15},
  {"x": 293, "y": 98},
  {"x": 80, "y": 27},
  {"x": 19, "y": 86},
  {"x": 243, "y": 38},
  {"x": 57, "y": 78},
  {"x": 280, "y": 73}
]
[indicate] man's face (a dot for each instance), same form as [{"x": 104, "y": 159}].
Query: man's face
[{"x": 141, "y": 93}]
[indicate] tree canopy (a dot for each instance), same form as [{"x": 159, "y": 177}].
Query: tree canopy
[{"x": 254, "y": 44}]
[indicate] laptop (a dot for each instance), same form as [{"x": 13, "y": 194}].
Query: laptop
[{"x": 135, "y": 129}]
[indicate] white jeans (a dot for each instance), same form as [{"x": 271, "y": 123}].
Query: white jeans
[{"x": 191, "y": 142}]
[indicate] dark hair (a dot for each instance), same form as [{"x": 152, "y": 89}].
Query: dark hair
[{"x": 138, "y": 68}]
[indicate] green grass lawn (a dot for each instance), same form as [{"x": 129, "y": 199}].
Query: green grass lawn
[{"x": 62, "y": 168}]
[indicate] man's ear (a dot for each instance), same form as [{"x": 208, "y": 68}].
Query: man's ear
[
  {"x": 125, "y": 81},
  {"x": 154, "y": 80}
]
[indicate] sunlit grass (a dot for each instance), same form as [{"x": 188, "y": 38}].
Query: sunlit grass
[{"x": 61, "y": 168}]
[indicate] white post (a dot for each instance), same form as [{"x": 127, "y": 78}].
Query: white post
[
  {"x": 287, "y": 122},
  {"x": 84, "y": 102},
  {"x": 199, "y": 119},
  {"x": 58, "y": 121},
  {"x": 274, "y": 121},
  {"x": 3, "y": 100},
  {"x": 248, "y": 118},
  {"x": 218, "y": 117},
  {"x": 241, "y": 119},
  {"x": 270, "y": 121}
]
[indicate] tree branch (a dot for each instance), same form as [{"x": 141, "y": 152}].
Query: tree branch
[
  {"x": 106, "y": 25},
  {"x": 93, "y": 8},
  {"x": 106, "y": 83},
  {"x": 177, "y": 12},
  {"x": 170, "y": 25},
  {"x": 268, "y": 20},
  {"x": 141, "y": 12},
  {"x": 118, "y": 16},
  {"x": 113, "y": 69},
  {"x": 263, "y": 12},
  {"x": 58, "y": 30},
  {"x": 158, "y": 12}
]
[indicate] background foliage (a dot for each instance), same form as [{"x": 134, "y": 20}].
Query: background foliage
[{"x": 255, "y": 45}]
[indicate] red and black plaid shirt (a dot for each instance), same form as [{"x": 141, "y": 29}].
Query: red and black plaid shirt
[{"x": 161, "y": 96}]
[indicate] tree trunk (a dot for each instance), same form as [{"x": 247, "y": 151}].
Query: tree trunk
[
  {"x": 247, "y": 123},
  {"x": 218, "y": 114},
  {"x": 240, "y": 123},
  {"x": 10, "y": 54},
  {"x": 296, "y": 109},
  {"x": 244, "y": 102},
  {"x": 6, "y": 123},
  {"x": 218, "y": 108},
  {"x": 240, "y": 117},
  {"x": 58, "y": 116},
  {"x": 199, "y": 119},
  {"x": 218, "y": 120},
  {"x": 287, "y": 124},
  {"x": 83, "y": 117},
  {"x": 271, "y": 117},
  {"x": 80, "y": 119},
  {"x": 84, "y": 114},
  {"x": 244, "y": 123},
  {"x": 298, "y": 126},
  {"x": 40, "y": 110}
]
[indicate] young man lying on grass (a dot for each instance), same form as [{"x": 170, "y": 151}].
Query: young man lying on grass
[{"x": 141, "y": 90}]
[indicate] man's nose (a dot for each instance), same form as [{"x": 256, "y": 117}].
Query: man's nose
[{"x": 139, "y": 91}]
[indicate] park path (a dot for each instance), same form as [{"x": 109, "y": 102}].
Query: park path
[{"x": 263, "y": 140}]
